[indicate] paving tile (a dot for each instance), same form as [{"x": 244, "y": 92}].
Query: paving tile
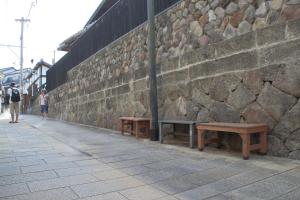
[
  {"x": 252, "y": 176},
  {"x": 160, "y": 175},
  {"x": 14, "y": 189},
  {"x": 45, "y": 167},
  {"x": 7, "y": 159},
  {"x": 168, "y": 198},
  {"x": 129, "y": 163},
  {"x": 110, "y": 196},
  {"x": 143, "y": 192},
  {"x": 109, "y": 174},
  {"x": 293, "y": 195},
  {"x": 135, "y": 170},
  {"x": 295, "y": 172},
  {"x": 112, "y": 159},
  {"x": 56, "y": 194},
  {"x": 60, "y": 182},
  {"x": 218, "y": 197},
  {"x": 88, "y": 162},
  {"x": 209, "y": 190},
  {"x": 199, "y": 178},
  {"x": 267, "y": 189},
  {"x": 21, "y": 178},
  {"x": 23, "y": 163},
  {"x": 82, "y": 170},
  {"x": 103, "y": 187},
  {"x": 174, "y": 185},
  {"x": 8, "y": 170},
  {"x": 61, "y": 159}
]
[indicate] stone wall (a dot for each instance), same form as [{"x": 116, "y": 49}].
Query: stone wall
[{"x": 230, "y": 61}]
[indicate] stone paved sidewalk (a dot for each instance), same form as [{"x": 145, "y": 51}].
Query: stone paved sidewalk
[{"x": 47, "y": 160}]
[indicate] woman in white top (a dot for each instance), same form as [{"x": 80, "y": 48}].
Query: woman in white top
[{"x": 44, "y": 103}]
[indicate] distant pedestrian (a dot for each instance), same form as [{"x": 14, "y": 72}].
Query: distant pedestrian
[
  {"x": 14, "y": 99},
  {"x": 44, "y": 103}
]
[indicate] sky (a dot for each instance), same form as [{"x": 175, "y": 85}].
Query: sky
[{"x": 51, "y": 22}]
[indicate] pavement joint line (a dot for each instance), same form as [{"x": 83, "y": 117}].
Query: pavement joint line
[
  {"x": 28, "y": 187},
  {"x": 35, "y": 192},
  {"x": 78, "y": 197},
  {"x": 279, "y": 173},
  {"x": 96, "y": 181},
  {"x": 122, "y": 195},
  {"x": 261, "y": 180},
  {"x": 282, "y": 195}
]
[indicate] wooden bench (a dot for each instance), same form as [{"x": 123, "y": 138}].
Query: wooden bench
[
  {"x": 136, "y": 124},
  {"x": 244, "y": 130},
  {"x": 191, "y": 125}
]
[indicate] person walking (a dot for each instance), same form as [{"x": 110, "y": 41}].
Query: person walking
[
  {"x": 44, "y": 103},
  {"x": 14, "y": 99}
]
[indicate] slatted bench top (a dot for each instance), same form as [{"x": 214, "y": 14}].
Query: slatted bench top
[
  {"x": 233, "y": 127},
  {"x": 135, "y": 118},
  {"x": 169, "y": 121}
]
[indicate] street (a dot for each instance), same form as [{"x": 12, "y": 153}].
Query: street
[{"x": 49, "y": 159}]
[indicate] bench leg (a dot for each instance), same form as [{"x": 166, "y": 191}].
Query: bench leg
[
  {"x": 174, "y": 131},
  {"x": 161, "y": 134},
  {"x": 201, "y": 141},
  {"x": 192, "y": 135},
  {"x": 263, "y": 143},
  {"x": 122, "y": 127},
  {"x": 148, "y": 129},
  {"x": 137, "y": 129},
  {"x": 246, "y": 145}
]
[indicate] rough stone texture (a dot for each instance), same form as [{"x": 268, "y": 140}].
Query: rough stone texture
[
  {"x": 220, "y": 12},
  {"x": 276, "y": 147},
  {"x": 221, "y": 87},
  {"x": 221, "y": 112},
  {"x": 293, "y": 2},
  {"x": 293, "y": 141},
  {"x": 259, "y": 23},
  {"x": 250, "y": 14},
  {"x": 295, "y": 155},
  {"x": 276, "y": 4},
  {"x": 241, "y": 97},
  {"x": 288, "y": 80},
  {"x": 254, "y": 113},
  {"x": 237, "y": 18},
  {"x": 250, "y": 78},
  {"x": 253, "y": 80},
  {"x": 244, "y": 27},
  {"x": 275, "y": 102},
  {"x": 231, "y": 8},
  {"x": 230, "y": 32},
  {"x": 290, "y": 13},
  {"x": 262, "y": 10},
  {"x": 293, "y": 29},
  {"x": 291, "y": 120},
  {"x": 270, "y": 34}
]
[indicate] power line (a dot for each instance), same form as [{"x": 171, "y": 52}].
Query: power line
[
  {"x": 33, "y": 4},
  {"x": 9, "y": 45}
]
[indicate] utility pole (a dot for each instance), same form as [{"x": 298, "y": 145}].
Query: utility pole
[
  {"x": 22, "y": 20},
  {"x": 152, "y": 70}
]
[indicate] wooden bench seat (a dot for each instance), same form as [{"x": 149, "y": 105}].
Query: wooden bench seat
[
  {"x": 244, "y": 130},
  {"x": 136, "y": 125}
]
